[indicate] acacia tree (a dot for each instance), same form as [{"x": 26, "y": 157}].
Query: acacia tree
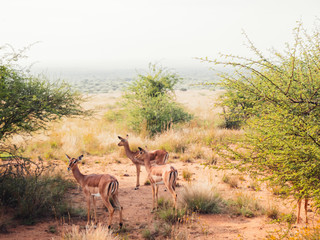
[
  {"x": 149, "y": 101},
  {"x": 283, "y": 118},
  {"x": 28, "y": 103}
]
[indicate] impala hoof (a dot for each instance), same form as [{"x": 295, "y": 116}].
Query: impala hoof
[
  {"x": 136, "y": 188},
  {"x": 109, "y": 226},
  {"x": 120, "y": 224}
]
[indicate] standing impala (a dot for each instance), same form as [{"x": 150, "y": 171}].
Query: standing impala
[
  {"x": 97, "y": 185},
  {"x": 159, "y": 174},
  {"x": 159, "y": 157}
]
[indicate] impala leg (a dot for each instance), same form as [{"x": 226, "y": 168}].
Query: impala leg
[
  {"x": 174, "y": 196},
  {"x": 170, "y": 187},
  {"x": 110, "y": 210},
  {"x": 153, "y": 196},
  {"x": 306, "y": 208},
  {"x": 138, "y": 167},
  {"x": 94, "y": 209},
  {"x": 299, "y": 207},
  {"x": 156, "y": 193},
  {"x": 117, "y": 203},
  {"x": 88, "y": 207}
]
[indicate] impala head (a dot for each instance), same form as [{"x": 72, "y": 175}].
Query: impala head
[
  {"x": 73, "y": 161},
  {"x": 123, "y": 141},
  {"x": 142, "y": 154}
]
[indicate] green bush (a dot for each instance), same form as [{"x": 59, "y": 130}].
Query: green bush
[
  {"x": 149, "y": 101},
  {"x": 277, "y": 98}
]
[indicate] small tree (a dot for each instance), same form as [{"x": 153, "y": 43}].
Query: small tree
[
  {"x": 282, "y": 119},
  {"x": 149, "y": 101},
  {"x": 28, "y": 103}
]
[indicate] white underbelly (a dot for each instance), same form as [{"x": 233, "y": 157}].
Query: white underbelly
[
  {"x": 157, "y": 179},
  {"x": 94, "y": 191}
]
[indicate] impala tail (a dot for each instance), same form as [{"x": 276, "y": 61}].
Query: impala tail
[
  {"x": 166, "y": 158},
  {"x": 113, "y": 187},
  {"x": 173, "y": 178}
]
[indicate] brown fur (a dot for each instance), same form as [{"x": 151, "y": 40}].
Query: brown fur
[
  {"x": 94, "y": 184},
  {"x": 158, "y": 157},
  {"x": 156, "y": 174}
]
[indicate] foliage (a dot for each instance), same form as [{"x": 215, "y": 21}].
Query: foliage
[
  {"x": 28, "y": 103},
  {"x": 281, "y": 95},
  {"x": 149, "y": 101},
  {"x": 28, "y": 187}
]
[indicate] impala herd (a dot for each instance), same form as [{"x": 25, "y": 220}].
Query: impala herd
[{"x": 107, "y": 186}]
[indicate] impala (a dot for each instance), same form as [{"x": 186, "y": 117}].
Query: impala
[
  {"x": 97, "y": 185},
  {"x": 159, "y": 174},
  {"x": 159, "y": 157}
]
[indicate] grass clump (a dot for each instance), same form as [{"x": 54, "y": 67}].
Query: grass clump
[
  {"x": 90, "y": 233},
  {"x": 168, "y": 214},
  {"x": 202, "y": 200},
  {"x": 186, "y": 174},
  {"x": 247, "y": 206},
  {"x": 232, "y": 181}
]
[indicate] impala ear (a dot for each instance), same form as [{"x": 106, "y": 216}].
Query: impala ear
[
  {"x": 140, "y": 149},
  {"x": 120, "y": 137},
  {"x": 68, "y": 157},
  {"x": 127, "y": 136}
]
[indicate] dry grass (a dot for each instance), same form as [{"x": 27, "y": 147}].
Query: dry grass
[
  {"x": 90, "y": 233},
  {"x": 98, "y": 135}
]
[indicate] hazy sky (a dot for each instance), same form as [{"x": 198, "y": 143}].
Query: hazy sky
[{"x": 107, "y": 34}]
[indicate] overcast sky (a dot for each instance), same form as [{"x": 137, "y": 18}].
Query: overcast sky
[{"x": 108, "y": 34}]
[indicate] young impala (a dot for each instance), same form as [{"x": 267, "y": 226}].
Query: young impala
[
  {"x": 97, "y": 185},
  {"x": 159, "y": 174},
  {"x": 158, "y": 157}
]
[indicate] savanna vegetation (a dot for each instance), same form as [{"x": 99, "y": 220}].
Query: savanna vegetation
[
  {"x": 276, "y": 100},
  {"x": 265, "y": 126},
  {"x": 27, "y": 104}
]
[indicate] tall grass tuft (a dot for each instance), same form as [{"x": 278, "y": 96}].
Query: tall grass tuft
[
  {"x": 166, "y": 213},
  {"x": 203, "y": 199},
  {"x": 245, "y": 205},
  {"x": 91, "y": 233}
]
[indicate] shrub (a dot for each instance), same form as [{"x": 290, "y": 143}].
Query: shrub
[
  {"x": 28, "y": 187},
  {"x": 149, "y": 102}
]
